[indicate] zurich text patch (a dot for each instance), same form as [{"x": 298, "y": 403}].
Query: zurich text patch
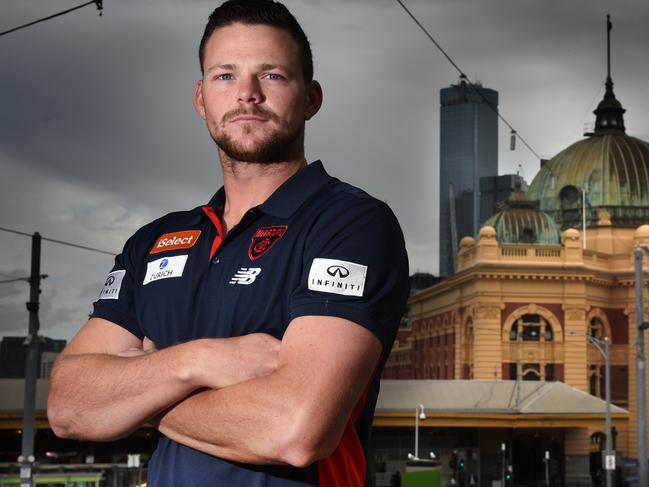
[
  {"x": 165, "y": 268},
  {"x": 337, "y": 277}
]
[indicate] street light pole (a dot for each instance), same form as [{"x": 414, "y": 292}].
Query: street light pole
[
  {"x": 503, "y": 450},
  {"x": 641, "y": 393},
  {"x": 31, "y": 367},
  {"x": 420, "y": 413},
  {"x": 609, "y": 458},
  {"x": 609, "y": 464}
]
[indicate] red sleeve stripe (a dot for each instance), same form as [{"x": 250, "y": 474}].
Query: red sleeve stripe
[{"x": 345, "y": 467}]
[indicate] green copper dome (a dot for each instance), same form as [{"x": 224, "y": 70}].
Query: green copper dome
[
  {"x": 521, "y": 221},
  {"x": 613, "y": 169}
]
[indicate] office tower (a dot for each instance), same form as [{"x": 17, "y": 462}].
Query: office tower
[
  {"x": 495, "y": 190},
  {"x": 468, "y": 152}
]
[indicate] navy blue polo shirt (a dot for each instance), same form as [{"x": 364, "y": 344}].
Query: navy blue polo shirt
[{"x": 316, "y": 246}]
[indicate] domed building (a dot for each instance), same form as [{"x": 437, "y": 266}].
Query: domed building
[
  {"x": 551, "y": 273},
  {"x": 608, "y": 173},
  {"x": 521, "y": 221}
]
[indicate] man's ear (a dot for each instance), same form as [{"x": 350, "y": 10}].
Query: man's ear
[
  {"x": 199, "y": 106},
  {"x": 313, "y": 99}
]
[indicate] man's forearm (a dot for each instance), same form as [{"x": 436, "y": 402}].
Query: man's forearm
[
  {"x": 256, "y": 422},
  {"x": 101, "y": 397},
  {"x": 295, "y": 415}
]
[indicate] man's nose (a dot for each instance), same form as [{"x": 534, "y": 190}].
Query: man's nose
[{"x": 250, "y": 90}]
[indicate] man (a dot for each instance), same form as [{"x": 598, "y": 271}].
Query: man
[{"x": 185, "y": 331}]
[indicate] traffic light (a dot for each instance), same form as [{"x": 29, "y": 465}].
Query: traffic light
[
  {"x": 461, "y": 464},
  {"x": 508, "y": 475},
  {"x": 453, "y": 462}
]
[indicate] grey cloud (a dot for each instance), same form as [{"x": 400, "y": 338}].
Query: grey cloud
[{"x": 98, "y": 134}]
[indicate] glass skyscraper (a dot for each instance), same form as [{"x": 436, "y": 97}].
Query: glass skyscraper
[{"x": 468, "y": 152}]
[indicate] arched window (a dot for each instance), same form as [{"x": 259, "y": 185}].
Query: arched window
[
  {"x": 531, "y": 335},
  {"x": 531, "y": 328},
  {"x": 527, "y": 235},
  {"x": 570, "y": 198},
  {"x": 467, "y": 359},
  {"x": 597, "y": 331},
  {"x": 531, "y": 372}
]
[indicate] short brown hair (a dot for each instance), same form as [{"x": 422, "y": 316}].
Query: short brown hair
[{"x": 259, "y": 12}]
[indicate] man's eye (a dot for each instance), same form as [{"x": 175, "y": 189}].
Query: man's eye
[
  {"x": 224, "y": 77},
  {"x": 274, "y": 76}
]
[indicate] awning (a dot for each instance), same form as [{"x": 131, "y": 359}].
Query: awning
[{"x": 491, "y": 404}]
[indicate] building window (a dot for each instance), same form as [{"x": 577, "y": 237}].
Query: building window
[
  {"x": 513, "y": 371},
  {"x": 597, "y": 331},
  {"x": 549, "y": 372},
  {"x": 595, "y": 380},
  {"x": 570, "y": 198},
  {"x": 531, "y": 372},
  {"x": 529, "y": 332},
  {"x": 529, "y": 327}
]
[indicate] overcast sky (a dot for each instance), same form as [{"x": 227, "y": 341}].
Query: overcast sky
[{"x": 98, "y": 135}]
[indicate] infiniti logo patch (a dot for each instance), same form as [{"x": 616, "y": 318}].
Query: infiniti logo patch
[
  {"x": 337, "y": 277},
  {"x": 112, "y": 285},
  {"x": 337, "y": 271}
]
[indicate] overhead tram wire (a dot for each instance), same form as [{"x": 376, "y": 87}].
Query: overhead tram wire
[
  {"x": 15, "y": 280},
  {"x": 465, "y": 77},
  {"x": 60, "y": 242},
  {"x": 98, "y": 3}
]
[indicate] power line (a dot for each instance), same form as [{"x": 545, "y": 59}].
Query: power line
[
  {"x": 15, "y": 280},
  {"x": 61, "y": 242},
  {"x": 465, "y": 77},
  {"x": 6, "y": 276},
  {"x": 99, "y": 4}
]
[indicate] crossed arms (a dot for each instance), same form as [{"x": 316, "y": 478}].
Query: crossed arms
[{"x": 249, "y": 399}]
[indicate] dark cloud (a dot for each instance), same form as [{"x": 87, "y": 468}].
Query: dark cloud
[{"x": 98, "y": 134}]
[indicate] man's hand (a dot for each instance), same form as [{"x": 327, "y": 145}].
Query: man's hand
[
  {"x": 107, "y": 382},
  {"x": 226, "y": 361},
  {"x": 147, "y": 347}
]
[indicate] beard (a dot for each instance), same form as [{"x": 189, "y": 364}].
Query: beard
[{"x": 274, "y": 148}]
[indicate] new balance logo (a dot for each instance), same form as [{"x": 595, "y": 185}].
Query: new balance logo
[{"x": 245, "y": 276}]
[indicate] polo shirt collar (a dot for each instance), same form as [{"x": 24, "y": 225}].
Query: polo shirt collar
[{"x": 290, "y": 195}]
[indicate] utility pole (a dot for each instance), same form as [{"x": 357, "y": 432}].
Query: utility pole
[
  {"x": 31, "y": 366},
  {"x": 609, "y": 455},
  {"x": 503, "y": 451},
  {"x": 641, "y": 393}
]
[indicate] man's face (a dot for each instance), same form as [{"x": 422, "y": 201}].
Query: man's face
[{"x": 253, "y": 96}]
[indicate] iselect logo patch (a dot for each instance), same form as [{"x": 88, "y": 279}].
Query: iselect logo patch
[
  {"x": 165, "y": 268},
  {"x": 176, "y": 240}
]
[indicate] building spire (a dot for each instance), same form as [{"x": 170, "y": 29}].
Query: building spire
[{"x": 609, "y": 112}]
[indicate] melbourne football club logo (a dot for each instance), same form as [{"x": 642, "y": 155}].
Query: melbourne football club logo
[{"x": 263, "y": 239}]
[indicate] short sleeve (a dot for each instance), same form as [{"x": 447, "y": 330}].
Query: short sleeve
[
  {"x": 355, "y": 267},
  {"x": 116, "y": 301}
]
